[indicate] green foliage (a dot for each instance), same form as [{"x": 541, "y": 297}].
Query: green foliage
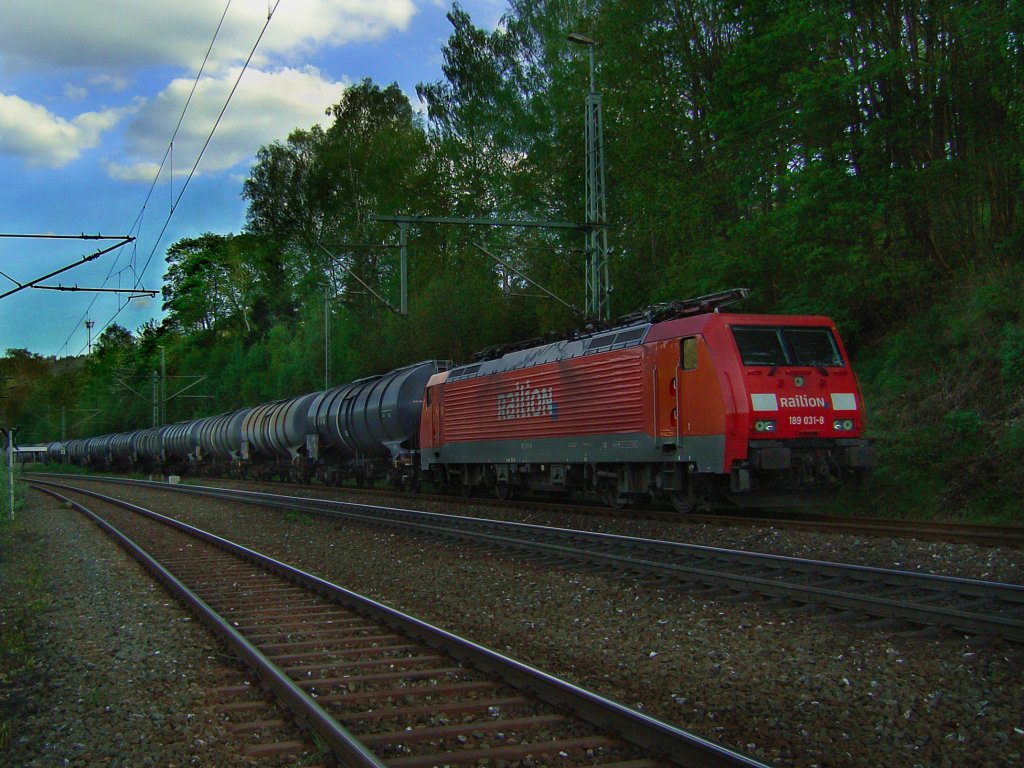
[
  {"x": 1011, "y": 355},
  {"x": 946, "y": 408},
  {"x": 32, "y": 598},
  {"x": 867, "y": 165},
  {"x": 294, "y": 516},
  {"x": 5, "y": 491}
]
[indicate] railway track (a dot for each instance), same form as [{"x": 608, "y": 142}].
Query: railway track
[
  {"x": 378, "y": 687},
  {"x": 876, "y": 597},
  {"x": 980, "y": 534}
]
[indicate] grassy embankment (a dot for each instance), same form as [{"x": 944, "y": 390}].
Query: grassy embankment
[{"x": 945, "y": 397}]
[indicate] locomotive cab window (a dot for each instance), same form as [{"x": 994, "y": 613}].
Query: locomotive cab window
[
  {"x": 688, "y": 353},
  {"x": 787, "y": 346},
  {"x": 813, "y": 346}
]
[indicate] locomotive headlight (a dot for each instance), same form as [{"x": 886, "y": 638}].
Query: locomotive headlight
[
  {"x": 842, "y": 425},
  {"x": 764, "y": 426}
]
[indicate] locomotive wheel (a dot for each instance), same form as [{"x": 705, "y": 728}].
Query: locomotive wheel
[
  {"x": 681, "y": 502},
  {"x": 612, "y": 497},
  {"x": 503, "y": 491}
]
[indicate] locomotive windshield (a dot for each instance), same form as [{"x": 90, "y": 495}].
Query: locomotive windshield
[{"x": 762, "y": 345}]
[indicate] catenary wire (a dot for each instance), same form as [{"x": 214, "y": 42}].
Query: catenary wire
[{"x": 137, "y": 224}]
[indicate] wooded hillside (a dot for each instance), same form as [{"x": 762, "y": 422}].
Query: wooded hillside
[{"x": 860, "y": 160}]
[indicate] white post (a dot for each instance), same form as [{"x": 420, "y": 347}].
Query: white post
[{"x": 9, "y": 435}]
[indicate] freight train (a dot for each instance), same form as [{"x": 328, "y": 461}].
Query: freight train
[{"x": 685, "y": 403}]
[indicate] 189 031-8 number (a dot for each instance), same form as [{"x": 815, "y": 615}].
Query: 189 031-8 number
[{"x": 806, "y": 421}]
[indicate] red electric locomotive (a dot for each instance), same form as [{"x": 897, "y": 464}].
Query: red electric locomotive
[{"x": 685, "y": 402}]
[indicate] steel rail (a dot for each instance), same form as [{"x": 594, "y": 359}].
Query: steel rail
[
  {"x": 981, "y": 534},
  {"x": 679, "y": 746},
  {"x": 790, "y": 576},
  {"x": 349, "y": 749}
]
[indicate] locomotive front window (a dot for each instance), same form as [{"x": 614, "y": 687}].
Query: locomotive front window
[
  {"x": 787, "y": 346},
  {"x": 813, "y": 346},
  {"x": 760, "y": 346}
]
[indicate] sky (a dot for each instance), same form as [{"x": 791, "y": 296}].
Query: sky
[{"x": 91, "y": 94}]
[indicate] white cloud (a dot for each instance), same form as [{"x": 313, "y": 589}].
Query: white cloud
[
  {"x": 41, "y": 138},
  {"x": 109, "y": 82},
  {"x": 266, "y": 107},
  {"x": 137, "y": 172},
  {"x": 75, "y": 92},
  {"x": 115, "y": 45},
  {"x": 119, "y": 36}
]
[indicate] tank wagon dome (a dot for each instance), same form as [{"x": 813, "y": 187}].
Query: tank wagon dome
[{"x": 374, "y": 417}]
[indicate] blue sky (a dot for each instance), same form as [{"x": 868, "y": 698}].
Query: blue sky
[{"x": 90, "y": 94}]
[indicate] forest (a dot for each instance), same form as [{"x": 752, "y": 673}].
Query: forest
[{"x": 859, "y": 160}]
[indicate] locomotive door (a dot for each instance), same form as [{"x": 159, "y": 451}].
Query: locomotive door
[
  {"x": 699, "y": 408},
  {"x": 435, "y": 403}
]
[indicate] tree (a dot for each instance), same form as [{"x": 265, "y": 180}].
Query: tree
[{"x": 225, "y": 283}]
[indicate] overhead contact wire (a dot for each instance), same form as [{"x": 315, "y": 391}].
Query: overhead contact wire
[{"x": 137, "y": 224}]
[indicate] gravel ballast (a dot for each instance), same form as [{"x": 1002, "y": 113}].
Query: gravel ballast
[
  {"x": 99, "y": 665},
  {"x": 791, "y": 689}
]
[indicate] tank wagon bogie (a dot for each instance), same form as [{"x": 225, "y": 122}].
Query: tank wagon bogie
[{"x": 682, "y": 403}]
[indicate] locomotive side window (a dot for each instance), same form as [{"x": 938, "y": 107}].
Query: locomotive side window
[
  {"x": 688, "y": 353},
  {"x": 787, "y": 346}
]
